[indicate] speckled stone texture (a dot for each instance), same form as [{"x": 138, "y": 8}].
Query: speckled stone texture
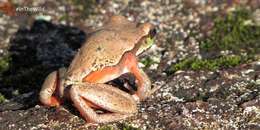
[{"x": 225, "y": 99}]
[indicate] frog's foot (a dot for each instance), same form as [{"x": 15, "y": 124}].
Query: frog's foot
[
  {"x": 49, "y": 89},
  {"x": 144, "y": 82},
  {"x": 89, "y": 97}
]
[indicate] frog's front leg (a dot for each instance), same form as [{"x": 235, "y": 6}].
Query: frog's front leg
[
  {"x": 144, "y": 89},
  {"x": 143, "y": 83},
  {"x": 90, "y": 96}
]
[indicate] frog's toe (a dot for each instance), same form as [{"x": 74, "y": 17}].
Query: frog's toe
[{"x": 48, "y": 89}]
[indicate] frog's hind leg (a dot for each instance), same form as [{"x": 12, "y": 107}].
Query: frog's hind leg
[
  {"x": 50, "y": 87},
  {"x": 47, "y": 90},
  {"x": 86, "y": 101}
]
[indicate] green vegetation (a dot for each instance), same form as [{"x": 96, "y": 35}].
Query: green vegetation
[
  {"x": 234, "y": 33},
  {"x": 148, "y": 61},
  {"x": 2, "y": 98},
  {"x": 4, "y": 64},
  {"x": 208, "y": 64},
  {"x": 106, "y": 128}
]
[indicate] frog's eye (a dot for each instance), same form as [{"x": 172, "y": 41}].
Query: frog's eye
[{"x": 152, "y": 33}]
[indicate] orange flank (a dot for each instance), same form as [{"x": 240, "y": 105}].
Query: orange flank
[
  {"x": 101, "y": 75},
  {"x": 109, "y": 73}
]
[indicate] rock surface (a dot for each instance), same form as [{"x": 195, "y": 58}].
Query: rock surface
[{"x": 227, "y": 98}]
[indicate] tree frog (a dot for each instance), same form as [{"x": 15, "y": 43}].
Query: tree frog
[{"x": 109, "y": 52}]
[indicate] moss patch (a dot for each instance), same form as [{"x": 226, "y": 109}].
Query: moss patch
[
  {"x": 106, "y": 128},
  {"x": 234, "y": 33},
  {"x": 2, "y": 98},
  {"x": 4, "y": 64},
  {"x": 209, "y": 64},
  {"x": 148, "y": 61}
]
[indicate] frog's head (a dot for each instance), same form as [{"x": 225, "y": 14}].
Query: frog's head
[
  {"x": 147, "y": 40},
  {"x": 129, "y": 35}
]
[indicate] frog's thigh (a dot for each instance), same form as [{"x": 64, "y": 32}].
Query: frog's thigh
[
  {"x": 104, "y": 75},
  {"x": 105, "y": 97}
]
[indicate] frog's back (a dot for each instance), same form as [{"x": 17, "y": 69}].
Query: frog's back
[{"x": 106, "y": 46}]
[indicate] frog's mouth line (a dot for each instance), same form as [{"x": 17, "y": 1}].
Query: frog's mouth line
[{"x": 144, "y": 43}]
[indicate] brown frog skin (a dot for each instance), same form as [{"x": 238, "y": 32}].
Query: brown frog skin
[{"x": 108, "y": 53}]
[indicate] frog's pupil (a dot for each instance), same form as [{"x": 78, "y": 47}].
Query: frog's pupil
[{"x": 152, "y": 33}]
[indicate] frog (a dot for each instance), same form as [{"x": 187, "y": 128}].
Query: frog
[{"x": 109, "y": 52}]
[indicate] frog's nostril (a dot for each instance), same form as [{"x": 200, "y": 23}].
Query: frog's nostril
[{"x": 152, "y": 32}]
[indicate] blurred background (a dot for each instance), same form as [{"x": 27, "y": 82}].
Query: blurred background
[{"x": 205, "y": 57}]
